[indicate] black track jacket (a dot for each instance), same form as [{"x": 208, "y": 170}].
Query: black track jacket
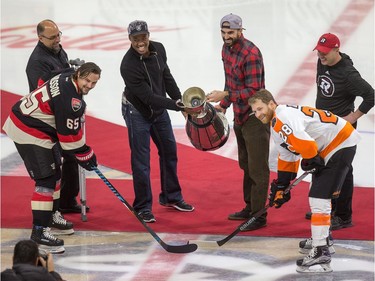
[
  {"x": 339, "y": 85},
  {"x": 147, "y": 80}
]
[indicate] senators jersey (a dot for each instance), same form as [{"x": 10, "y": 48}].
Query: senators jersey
[
  {"x": 50, "y": 114},
  {"x": 303, "y": 132}
]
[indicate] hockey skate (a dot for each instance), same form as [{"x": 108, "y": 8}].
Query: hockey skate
[
  {"x": 318, "y": 256},
  {"x": 305, "y": 246},
  {"x": 59, "y": 225},
  {"x": 46, "y": 241}
]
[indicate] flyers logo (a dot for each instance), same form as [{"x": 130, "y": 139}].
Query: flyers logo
[{"x": 76, "y": 104}]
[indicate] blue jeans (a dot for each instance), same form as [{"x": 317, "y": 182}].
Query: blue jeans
[{"x": 160, "y": 130}]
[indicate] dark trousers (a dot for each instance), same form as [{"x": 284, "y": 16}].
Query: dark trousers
[
  {"x": 342, "y": 206},
  {"x": 253, "y": 151},
  {"x": 140, "y": 132}
]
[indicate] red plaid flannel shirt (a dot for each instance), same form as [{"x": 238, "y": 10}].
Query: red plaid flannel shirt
[{"x": 244, "y": 75}]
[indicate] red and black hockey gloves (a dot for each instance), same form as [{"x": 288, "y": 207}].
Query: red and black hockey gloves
[
  {"x": 87, "y": 159},
  {"x": 316, "y": 163},
  {"x": 277, "y": 196}
]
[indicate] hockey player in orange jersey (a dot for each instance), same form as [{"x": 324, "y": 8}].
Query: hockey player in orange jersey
[{"x": 325, "y": 142}]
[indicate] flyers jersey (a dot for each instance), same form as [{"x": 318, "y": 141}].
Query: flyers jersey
[
  {"x": 303, "y": 132},
  {"x": 48, "y": 115}
]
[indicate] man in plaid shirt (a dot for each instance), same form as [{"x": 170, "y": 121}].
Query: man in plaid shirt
[{"x": 244, "y": 75}]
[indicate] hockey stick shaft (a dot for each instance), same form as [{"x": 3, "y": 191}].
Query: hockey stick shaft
[
  {"x": 260, "y": 212},
  {"x": 180, "y": 249}
]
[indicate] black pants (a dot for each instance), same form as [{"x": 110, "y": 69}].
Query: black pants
[
  {"x": 69, "y": 182},
  {"x": 342, "y": 206},
  {"x": 330, "y": 180}
]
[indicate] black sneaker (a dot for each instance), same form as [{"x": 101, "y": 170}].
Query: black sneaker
[
  {"x": 338, "y": 223},
  {"x": 147, "y": 216},
  {"x": 254, "y": 226},
  {"x": 46, "y": 241},
  {"x": 241, "y": 215},
  {"x": 181, "y": 206},
  {"x": 59, "y": 225}
]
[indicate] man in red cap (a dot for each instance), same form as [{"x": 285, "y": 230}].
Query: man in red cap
[{"x": 338, "y": 85}]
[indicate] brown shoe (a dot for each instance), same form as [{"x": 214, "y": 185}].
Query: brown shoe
[
  {"x": 255, "y": 225},
  {"x": 241, "y": 215},
  {"x": 338, "y": 223}
]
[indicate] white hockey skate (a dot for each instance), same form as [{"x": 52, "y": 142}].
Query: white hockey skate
[
  {"x": 59, "y": 225},
  {"x": 305, "y": 246},
  {"x": 318, "y": 260}
]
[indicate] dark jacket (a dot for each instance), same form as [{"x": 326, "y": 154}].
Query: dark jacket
[
  {"x": 148, "y": 80},
  {"x": 28, "y": 272},
  {"x": 339, "y": 85},
  {"x": 43, "y": 64}
]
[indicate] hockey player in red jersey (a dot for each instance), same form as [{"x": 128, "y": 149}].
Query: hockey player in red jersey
[
  {"x": 41, "y": 124},
  {"x": 326, "y": 144}
]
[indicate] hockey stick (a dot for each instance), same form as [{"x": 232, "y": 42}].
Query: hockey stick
[
  {"x": 256, "y": 215},
  {"x": 178, "y": 249}
]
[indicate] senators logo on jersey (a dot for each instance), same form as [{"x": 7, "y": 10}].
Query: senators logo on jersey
[{"x": 76, "y": 104}]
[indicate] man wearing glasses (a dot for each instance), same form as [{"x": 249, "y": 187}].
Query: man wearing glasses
[
  {"x": 47, "y": 60},
  {"x": 48, "y": 57}
]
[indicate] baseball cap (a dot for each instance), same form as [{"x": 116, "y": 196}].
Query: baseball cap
[
  {"x": 327, "y": 42},
  {"x": 235, "y": 22},
  {"x": 137, "y": 27}
]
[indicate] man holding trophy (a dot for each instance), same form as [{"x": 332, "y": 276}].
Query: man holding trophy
[
  {"x": 148, "y": 80},
  {"x": 244, "y": 75}
]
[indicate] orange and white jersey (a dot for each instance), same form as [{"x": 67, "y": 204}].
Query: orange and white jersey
[{"x": 303, "y": 132}]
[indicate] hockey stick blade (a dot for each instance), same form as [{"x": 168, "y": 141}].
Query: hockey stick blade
[
  {"x": 260, "y": 212},
  {"x": 177, "y": 249}
]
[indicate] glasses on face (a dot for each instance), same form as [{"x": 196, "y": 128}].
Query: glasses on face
[{"x": 52, "y": 37}]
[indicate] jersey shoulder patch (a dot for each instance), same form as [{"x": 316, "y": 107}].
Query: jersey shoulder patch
[{"x": 76, "y": 104}]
